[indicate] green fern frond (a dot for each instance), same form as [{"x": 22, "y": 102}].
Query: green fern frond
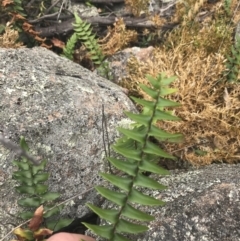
[
  {"x": 83, "y": 33},
  {"x": 138, "y": 154},
  {"x": 31, "y": 180},
  {"x": 16, "y": 6}
]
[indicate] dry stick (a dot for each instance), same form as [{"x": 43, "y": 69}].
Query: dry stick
[
  {"x": 51, "y": 7},
  {"x": 19, "y": 151},
  {"x": 106, "y": 147},
  {"x": 63, "y": 2},
  {"x": 67, "y": 26},
  {"x": 43, "y": 17},
  {"x": 106, "y": 129},
  {"x": 69, "y": 199},
  {"x": 169, "y": 6}
]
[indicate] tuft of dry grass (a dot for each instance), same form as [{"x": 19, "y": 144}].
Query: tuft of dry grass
[
  {"x": 9, "y": 39},
  {"x": 117, "y": 38},
  {"x": 137, "y": 7}
]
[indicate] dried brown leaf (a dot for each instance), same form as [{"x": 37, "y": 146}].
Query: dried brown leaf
[
  {"x": 6, "y": 2},
  {"x": 42, "y": 232},
  {"x": 58, "y": 43},
  {"x": 37, "y": 219}
]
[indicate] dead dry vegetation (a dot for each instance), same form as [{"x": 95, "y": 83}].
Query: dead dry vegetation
[{"x": 196, "y": 53}]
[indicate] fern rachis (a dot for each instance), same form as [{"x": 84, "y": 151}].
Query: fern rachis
[{"x": 138, "y": 154}]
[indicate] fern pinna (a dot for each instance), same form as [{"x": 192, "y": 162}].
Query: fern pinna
[{"x": 138, "y": 154}]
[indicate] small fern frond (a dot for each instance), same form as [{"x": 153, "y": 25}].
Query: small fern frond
[
  {"x": 31, "y": 180},
  {"x": 138, "y": 154},
  {"x": 84, "y": 33},
  {"x": 68, "y": 50},
  {"x": 14, "y": 6}
]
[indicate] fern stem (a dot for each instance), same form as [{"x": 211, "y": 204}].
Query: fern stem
[{"x": 137, "y": 167}]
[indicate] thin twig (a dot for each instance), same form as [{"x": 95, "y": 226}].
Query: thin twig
[
  {"x": 88, "y": 190},
  {"x": 107, "y": 137},
  {"x": 51, "y": 7},
  {"x": 43, "y": 17},
  {"x": 17, "y": 149},
  {"x": 106, "y": 148},
  {"x": 14, "y": 229},
  {"x": 60, "y": 10},
  {"x": 169, "y": 6}
]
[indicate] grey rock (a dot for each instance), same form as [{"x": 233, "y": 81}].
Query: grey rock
[
  {"x": 200, "y": 205},
  {"x": 57, "y": 106},
  {"x": 119, "y": 61},
  {"x": 82, "y": 9}
]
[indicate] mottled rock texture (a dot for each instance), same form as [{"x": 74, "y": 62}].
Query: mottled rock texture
[
  {"x": 201, "y": 205},
  {"x": 57, "y": 106}
]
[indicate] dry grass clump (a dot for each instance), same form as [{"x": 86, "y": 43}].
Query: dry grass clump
[
  {"x": 210, "y": 106},
  {"x": 117, "y": 38},
  {"x": 9, "y": 39},
  {"x": 137, "y": 7}
]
